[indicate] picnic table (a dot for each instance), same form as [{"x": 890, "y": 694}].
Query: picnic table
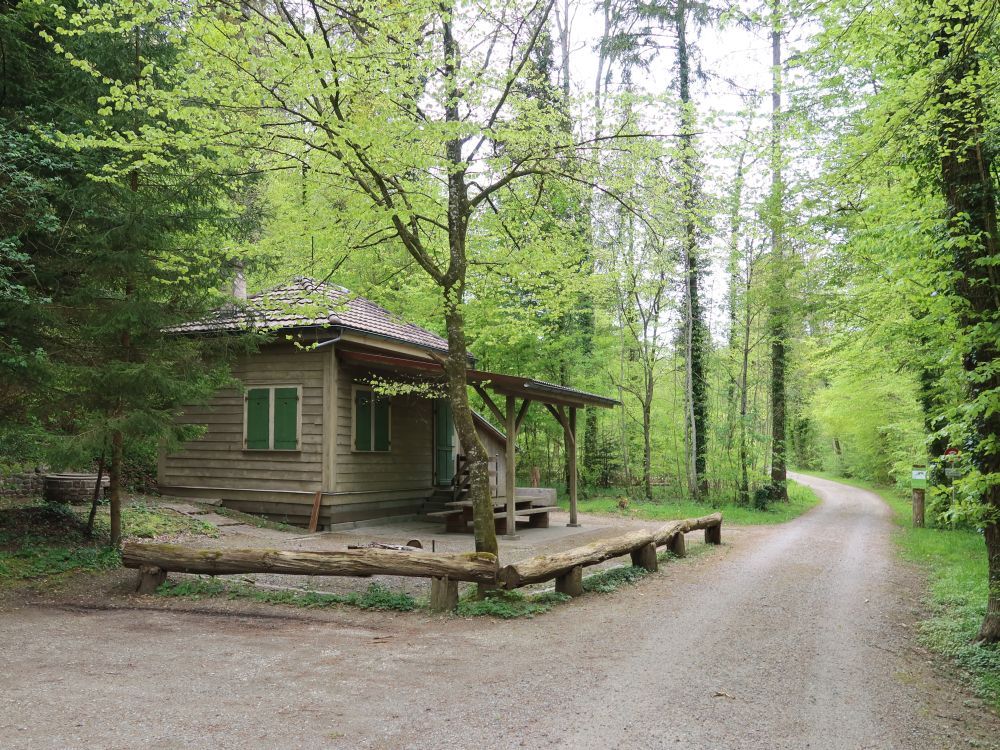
[{"x": 527, "y": 512}]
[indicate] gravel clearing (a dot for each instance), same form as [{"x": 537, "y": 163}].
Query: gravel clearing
[{"x": 794, "y": 636}]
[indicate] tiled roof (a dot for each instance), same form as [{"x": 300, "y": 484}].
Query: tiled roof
[{"x": 307, "y": 303}]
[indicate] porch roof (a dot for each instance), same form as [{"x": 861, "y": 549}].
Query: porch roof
[{"x": 529, "y": 389}]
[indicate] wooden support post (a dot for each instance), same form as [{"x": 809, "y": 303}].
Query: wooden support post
[
  {"x": 677, "y": 546},
  {"x": 444, "y": 594},
  {"x": 713, "y": 534},
  {"x": 645, "y": 557},
  {"x": 571, "y": 449},
  {"x": 571, "y": 582},
  {"x": 150, "y": 578},
  {"x": 918, "y": 509},
  {"x": 511, "y": 530}
]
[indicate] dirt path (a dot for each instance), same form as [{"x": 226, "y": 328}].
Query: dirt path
[{"x": 797, "y": 636}]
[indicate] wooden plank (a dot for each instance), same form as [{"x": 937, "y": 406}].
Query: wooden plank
[{"x": 314, "y": 516}]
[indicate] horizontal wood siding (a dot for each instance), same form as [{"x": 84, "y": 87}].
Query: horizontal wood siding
[
  {"x": 498, "y": 462},
  {"x": 407, "y": 466},
  {"x": 217, "y": 460}
]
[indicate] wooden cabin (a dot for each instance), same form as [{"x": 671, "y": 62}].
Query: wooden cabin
[{"x": 312, "y": 416}]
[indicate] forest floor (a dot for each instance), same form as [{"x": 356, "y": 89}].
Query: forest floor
[{"x": 798, "y": 635}]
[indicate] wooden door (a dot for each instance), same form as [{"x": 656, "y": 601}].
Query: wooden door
[{"x": 444, "y": 442}]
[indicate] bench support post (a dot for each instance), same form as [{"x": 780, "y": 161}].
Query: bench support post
[
  {"x": 645, "y": 557},
  {"x": 713, "y": 534},
  {"x": 150, "y": 579},
  {"x": 571, "y": 582},
  {"x": 677, "y": 546},
  {"x": 444, "y": 594}
]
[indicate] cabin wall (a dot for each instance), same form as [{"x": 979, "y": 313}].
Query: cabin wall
[
  {"x": 217, "y": 466},
  {"x": 496, "y": 450},
  {"x": 371, "y": 484}
]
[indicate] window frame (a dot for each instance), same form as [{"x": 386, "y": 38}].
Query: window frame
[
  {"x": 355, "y": 387},
  {"x": 271, "y": 402}
]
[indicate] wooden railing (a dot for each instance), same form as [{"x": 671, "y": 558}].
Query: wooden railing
[
  {"x": 154, "y": 561},
  {"x": 462, "y": 481},
  {"x": 567, "y": 567}
]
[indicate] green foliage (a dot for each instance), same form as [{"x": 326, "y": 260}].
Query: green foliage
[
  {"x": 376, "y": 596},
  {"x": 612, "y": 579},
  {"x": 508, "y": 605}
]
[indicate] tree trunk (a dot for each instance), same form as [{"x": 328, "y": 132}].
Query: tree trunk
[
  {"x": 453, "y": 288},
  {"x": 647, "y": 448},
  {"x": 97, "y": 495},
  {"x": 694, "y": 325},
  {"x": 115, "y": 486},
  {"x": 456, "y": 367},
  {"x": 777, "y": 322},
  {"x": 966, "y": 180}
]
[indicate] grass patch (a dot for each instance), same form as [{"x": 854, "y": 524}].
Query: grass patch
[
  {"x": 143, "y": 521},
  {"x": 376, "y": 596},
  {"x": 663, "y": 508},
  {"x": 613, "y": 579},
  {"x": 40, "y": 540},
  {"x": 508, "y": 605},
  {"x": 956, "y": 563}
]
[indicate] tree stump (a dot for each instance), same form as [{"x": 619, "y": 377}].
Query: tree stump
[
  {"x": 645, "y": 557},
  {"x": 677, "y": 546},
  {"x": 150, "y": 579},
  {"x": 444, "y": 594},
  {"x": 571, "y": 582},
  {"x": 713, "y": 534}
]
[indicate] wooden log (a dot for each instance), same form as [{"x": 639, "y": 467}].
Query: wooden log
[
  {"x": 471, "y": 566},
  {"x": 150, "y": 579},
  {"x": 645, "y": 557},
  {"x": 444, "y": 594},
  {"x": 571, "y": 582},
  {"x": 546, "y": 567},
  {"x": 677, "y": 545},
  {"x": 713, "y": 534},
  {"x": 665, "y": 534}
]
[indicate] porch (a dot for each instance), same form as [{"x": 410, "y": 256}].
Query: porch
[{"x": 517, "y": 394}]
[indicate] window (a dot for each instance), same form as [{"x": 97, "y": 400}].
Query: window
[
  {"x": 272, "y": 418},
  {"x": 371, "y": 421}
]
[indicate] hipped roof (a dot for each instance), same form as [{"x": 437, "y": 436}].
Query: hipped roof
[{"x": 307, "y": 303}]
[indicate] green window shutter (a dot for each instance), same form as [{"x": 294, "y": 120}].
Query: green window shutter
[
  {"x": 258, "y": 408},
  {"x": 286, "y": 414},
  {"x": 363, "y": 420},
  {"x": 381, "y": 423}
]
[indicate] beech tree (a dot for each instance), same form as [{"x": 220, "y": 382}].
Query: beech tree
[{"x": 419, "y": 114}]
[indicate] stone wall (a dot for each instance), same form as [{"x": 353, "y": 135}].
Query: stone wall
[{"x": 22, "y": 484}]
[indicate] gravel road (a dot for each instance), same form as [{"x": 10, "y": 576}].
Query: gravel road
[{"x": 795, "y": 636}]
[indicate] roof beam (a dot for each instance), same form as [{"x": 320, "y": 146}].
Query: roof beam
[{"x": 490, "y": 403}]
